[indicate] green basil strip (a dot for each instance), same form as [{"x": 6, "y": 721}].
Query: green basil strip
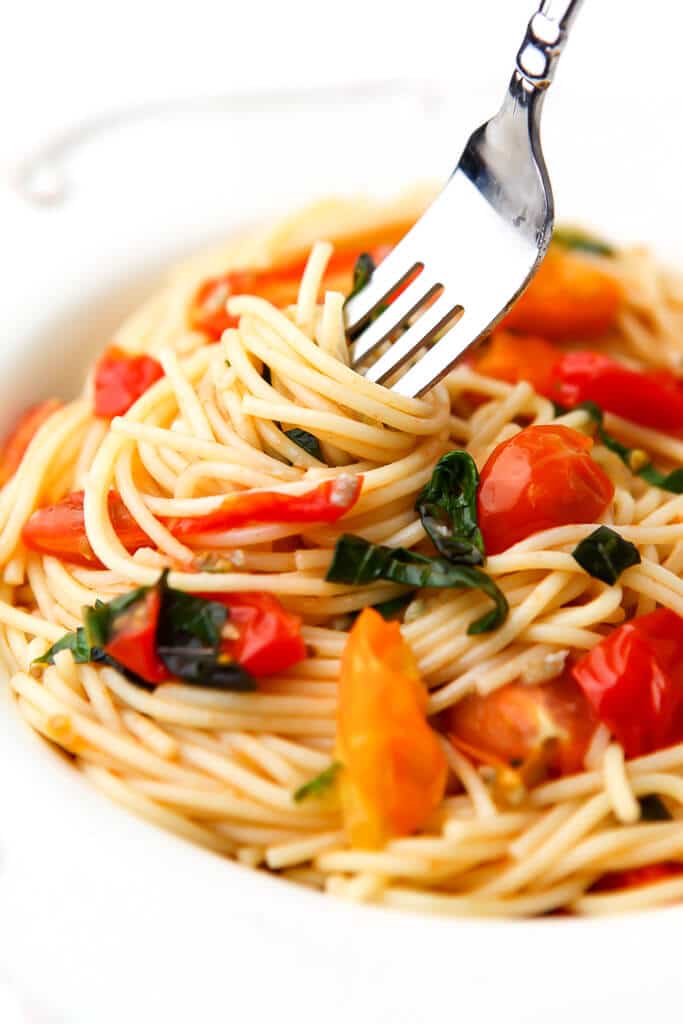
[
  {"x": 307, "y": 441},
  {"x": 633, "y": 458},
  {"x": 357, "y": 561},
  {"x": 575, "y": 238},
  {"x": 76, "y": 642},
  {"x": 319, "y": 785},
  {"x": 362, "y": 273},
  {"x": 653, "y": 808},
  {"x": 605, "y": 555},
  {"x": 447, "y": 506},
  {"x": 392, "y": 608}
]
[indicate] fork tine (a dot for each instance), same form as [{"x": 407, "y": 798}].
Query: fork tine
[
  {"x": 423, "y": 330},
  {"x": 441, "y": 357},
  {"x": 415, "y": 295},
  {"x": 388, "y": 276}
]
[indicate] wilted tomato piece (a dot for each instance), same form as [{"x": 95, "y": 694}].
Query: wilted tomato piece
[
  {"x": 515, "y": 357},
  {"x": 59, "y": 530},
  {"x": 571, "y": 297},
  {"x": 633, "y": 878},
  {"x": 132, "y": 638},
  {"x": 120, "y": 379},
  {"x": 279, "y": 285},
  {"x": 394, "y": 769},
  {"x": 269, "y": 637},
  {"x": 634, "y": 681},
  {"x": 17, "y": 442},
  {"x": 540, "y": 478},
  {"x": 548, "y": 724}
]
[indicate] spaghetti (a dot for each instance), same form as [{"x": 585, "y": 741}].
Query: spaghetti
[{"x": 234, "y": 381}]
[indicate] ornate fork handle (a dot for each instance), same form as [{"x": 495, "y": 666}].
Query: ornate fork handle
[{"x": 544, "y": 41}]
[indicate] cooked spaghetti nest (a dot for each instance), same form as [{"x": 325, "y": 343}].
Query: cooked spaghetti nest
[{"x": 220, "y": 768}]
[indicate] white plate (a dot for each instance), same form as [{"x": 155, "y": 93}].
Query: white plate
[{"x": 104, "y": 919}]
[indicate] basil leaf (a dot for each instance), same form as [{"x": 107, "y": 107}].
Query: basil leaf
[
  {"x": 99, "y": 620},
  {"x": 319, "y": 785},
  {"x": 392, "y": 609},
  {"x": 447, "y": 506},
  {"x": 356, "y": 560},
  {"x": 307, "y": 441},
  {"x": 605, "y": 555},
  {"x": 188, "y": 641},
  {"x": 633, "y": 458},
  {"x": 76, "y": 642},
  {"x": 653, "y": 808},
  {"x": 362, "y": 273},
  {"x": 575, "y": 238}
]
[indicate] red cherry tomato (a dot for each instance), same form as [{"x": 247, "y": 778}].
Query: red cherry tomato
[
  {"x": 326, "y": 503},
  {"x": 120, "y": 379},
  {"x": 269, "y": 638},
  {"x": 27, "y": 427},
  {"x": 132, "y": 642},
  {"x": 633, "y": 878},
  {"x": 279, "y": 285},
  {"x": 654, "y": 399},
  {"x": 541, "y": 478},
  {"x": 634, "y": 681},
  {"x": 550, "y": 723},
  {"x": 59, "y": 530}
]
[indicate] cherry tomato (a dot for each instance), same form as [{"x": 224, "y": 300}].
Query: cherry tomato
[
  {"x": 27, "y": 427},
  {"x": 279, "y": 285},
  {"x": 540, "y": 478},
  {"x": 325, "y": 503},
  {"x": 269, "y": 639},
  {"x": 394, "y": 769},
  {"x": 120, "y": 379},
  {"x": 634, "y": 681},
  {"x": 633, "y": 878},
  {"x": 132, "y": 640},
  {"x": 570, "y": 298},
  {"x": 550, "y": 723},
  {"x": 654, "y": 399},
  {"x": 59, "y": 530},
  {"x": 515, "y": 357}
]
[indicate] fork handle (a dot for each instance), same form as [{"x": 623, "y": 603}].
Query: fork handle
[{"x": 545, "y": 38}]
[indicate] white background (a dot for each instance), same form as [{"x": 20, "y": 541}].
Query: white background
[{"x": 613, "y": 136}]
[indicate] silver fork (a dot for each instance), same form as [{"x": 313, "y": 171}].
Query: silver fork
[{"x": 477, "y": 246}]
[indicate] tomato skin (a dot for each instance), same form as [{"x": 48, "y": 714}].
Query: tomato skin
[
  {"x": 653, "y": 399},
  {"x": 551, "y": 722},
  {"x": 515, "y": 357},
  {"x": 28, "y": 425},
  {"x": 394, "y": 768},
  {"x": 279, "y": 285},
  {"x": 133, "y": 643},
  {"x": 633, "y": 878},
  {"x": 570, "y": 298},
  {"x": 59, "y": 530},
  {"x": 120, "y": 379},
  {"x": 541, "y": 478},
  {"x": 326, "y": 503},
  {"x": 634, "y": 681},
  {"x": 270, "y": 637}
]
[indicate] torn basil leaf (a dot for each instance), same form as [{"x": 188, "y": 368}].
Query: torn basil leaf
[
  {"x": 605, "y": 555},
  {"x": 447, "y": 506},
  {"x": 356, "y": 561},
  {"x": 633, "y": 458},
  {"x": 307, "y": 441},
  {"x": 575, "y": 238},
  {"x": 362, "y": 273},
  {"x": 653, "y": 808},
  {"x": 76, "y": 642},
  {"x": 319, "y": 785}
]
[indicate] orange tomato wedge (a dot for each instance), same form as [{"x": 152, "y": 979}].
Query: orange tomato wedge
[{"x": 394, "y": 768}]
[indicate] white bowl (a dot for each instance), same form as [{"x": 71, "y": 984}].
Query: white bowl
[{"x": 102, "y": 917}]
